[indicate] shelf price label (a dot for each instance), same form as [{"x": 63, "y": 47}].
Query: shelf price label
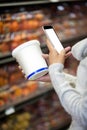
[{"x": 9, "y": 111}]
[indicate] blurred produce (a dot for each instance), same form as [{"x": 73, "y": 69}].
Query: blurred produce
[
  {"x": 3, "y": 77},
  {"x": 21, "y": 26},
  {"x": 13, "y": 85},
  {"x": 44, "y": 114},
  {"x": 17, "y": 92}
]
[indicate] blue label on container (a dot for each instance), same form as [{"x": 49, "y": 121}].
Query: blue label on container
[{"x": 37, "y": 71}]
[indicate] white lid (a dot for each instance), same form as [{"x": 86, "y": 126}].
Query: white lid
[{"x": 22, "y": 46}]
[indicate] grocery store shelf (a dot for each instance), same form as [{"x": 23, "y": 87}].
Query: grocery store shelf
[
  {"x": 73, "y": 40},
  {"x": 23, "y": 3},
  {"x": 4, "y": 55},
  {"x": 7, "y": 60},
  {"x": 4, "y": 59},
  {"x": 42, "y": 92},
  {"x": 6, "y": 4},
  {"x": 20, "y": 103},
  {"x": 65, "y": 127}
]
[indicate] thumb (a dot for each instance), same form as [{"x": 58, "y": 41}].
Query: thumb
[{"x": 63, "y": 52}]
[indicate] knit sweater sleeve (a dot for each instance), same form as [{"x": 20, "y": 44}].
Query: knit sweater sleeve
[{"x": 70, "y": 99}]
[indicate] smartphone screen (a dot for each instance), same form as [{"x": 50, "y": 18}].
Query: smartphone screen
[{"x": 52, "y": 36}]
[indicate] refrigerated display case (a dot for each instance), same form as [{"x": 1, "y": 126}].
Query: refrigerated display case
[{"x": 21, "y": 21}]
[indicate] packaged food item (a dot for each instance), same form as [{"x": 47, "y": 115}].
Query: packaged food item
[
  {"x": 1, "y": 27},
  {"x": 3, "y": 78},
  {"x": 14, "y": 26},
  {"x": 35, "y": 68}
]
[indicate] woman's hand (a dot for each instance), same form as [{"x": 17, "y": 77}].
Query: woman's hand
[
  {"x": 45, "y": 78},
  {"x": 55, "y": 57}
]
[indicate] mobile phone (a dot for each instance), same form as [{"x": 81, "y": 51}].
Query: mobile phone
[{"x": 53, "y": 38}]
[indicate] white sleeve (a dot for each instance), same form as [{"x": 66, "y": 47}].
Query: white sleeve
[
  {"x": 71, "y": 100},
  {"x": 71, "y": 79}
]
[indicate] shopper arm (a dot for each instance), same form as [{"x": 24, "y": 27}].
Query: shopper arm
[{"x": 70, "y": 98}]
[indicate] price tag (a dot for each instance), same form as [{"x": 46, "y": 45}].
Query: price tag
[{"x": 9, "y": 111}]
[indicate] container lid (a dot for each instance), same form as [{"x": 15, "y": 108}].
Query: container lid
[{"x": 24, "y": 45}]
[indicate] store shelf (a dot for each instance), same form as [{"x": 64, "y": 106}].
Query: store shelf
[
  {"x": 73, "y": 40},
  {"x": 20, "y": 103},
  {"x": 20, "y": 3},
  {"x": 23, "y": 3},
  {"x": 41, "y": 110},
  {"x": 7, "y": 58}
]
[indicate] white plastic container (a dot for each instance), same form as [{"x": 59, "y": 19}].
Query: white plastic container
[{"x": 29, "y": 57}]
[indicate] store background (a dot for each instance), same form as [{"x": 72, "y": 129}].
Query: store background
[{"x": 30, "y": 105}]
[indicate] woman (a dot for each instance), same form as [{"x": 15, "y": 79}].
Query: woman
[{"x": 74, "y": 100}]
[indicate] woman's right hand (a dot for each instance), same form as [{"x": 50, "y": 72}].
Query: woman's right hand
[{"x": 55, "y": 57}]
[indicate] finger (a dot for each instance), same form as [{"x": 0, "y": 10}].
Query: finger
[
  {"x": 49, "y": 45},
  {"x": 45, "y": 78},
  {"x": 63, "y": 52},
  {"x": 67, "y": 49},
  {"x": 45, "y": 56},
  {"x": 19, "y": 67},
  {"x": 22, "y": 71},
  {"x": 68, "y": 54}
]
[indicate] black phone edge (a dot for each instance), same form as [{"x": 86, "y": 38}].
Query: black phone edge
[{"x": 47, "y": 27}]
